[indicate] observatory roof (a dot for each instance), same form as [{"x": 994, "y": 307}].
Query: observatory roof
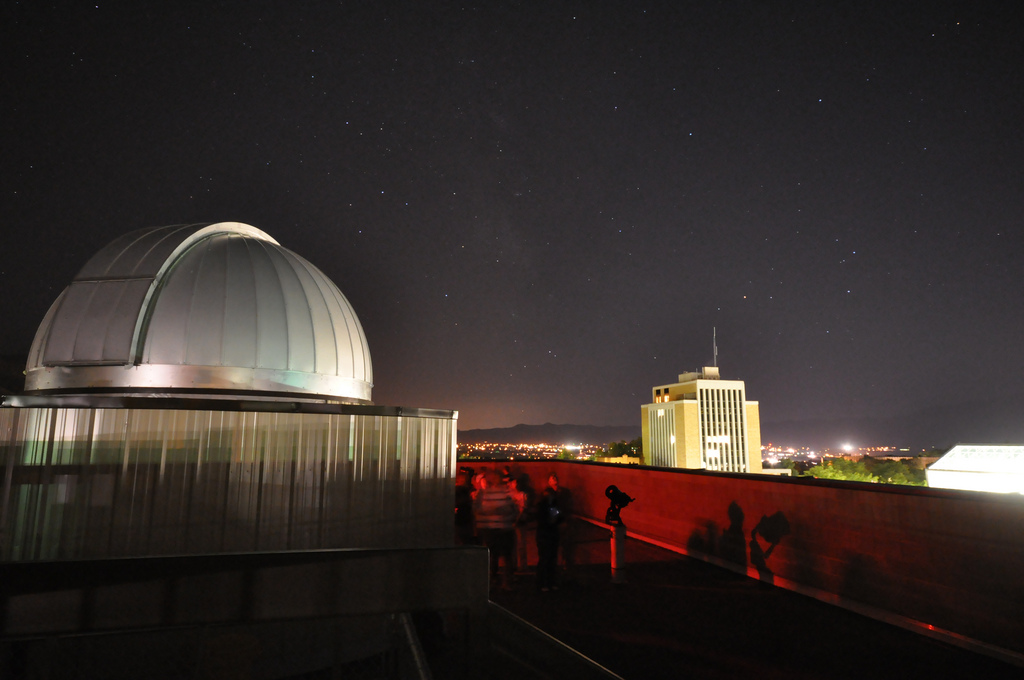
[
  {"x": 201, "y": 307},
  {"x": 996, "y": 458}
]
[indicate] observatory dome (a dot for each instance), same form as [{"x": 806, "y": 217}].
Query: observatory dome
[{"x": 202, "y": 308}]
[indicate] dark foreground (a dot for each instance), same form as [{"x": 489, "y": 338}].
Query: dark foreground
[{"x": 677, "y": 617}]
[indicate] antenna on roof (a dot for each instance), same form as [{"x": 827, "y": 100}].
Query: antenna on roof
[{"x": 714, "y": 344}]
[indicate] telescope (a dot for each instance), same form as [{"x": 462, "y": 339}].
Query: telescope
[{"x": 619, "y": 500}]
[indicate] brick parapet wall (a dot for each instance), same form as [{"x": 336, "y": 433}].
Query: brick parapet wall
[{"x": 929, "y": 558}]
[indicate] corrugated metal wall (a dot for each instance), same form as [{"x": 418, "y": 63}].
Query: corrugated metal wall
[{"x": 117, "y": 482}]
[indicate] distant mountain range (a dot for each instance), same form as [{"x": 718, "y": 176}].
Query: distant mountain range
[{"x": 549, "y": 433}]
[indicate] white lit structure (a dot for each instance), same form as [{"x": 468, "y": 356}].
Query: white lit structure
[
  {"x": 702, "y": 422},
  {"x": 979, "y": 467},
  {"x": 201, "y": 308},
  {"x": 202, "y": 389}
]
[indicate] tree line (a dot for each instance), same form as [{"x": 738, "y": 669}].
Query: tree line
[{"x": 867, "y": 469}]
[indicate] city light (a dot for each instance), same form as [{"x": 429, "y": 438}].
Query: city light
[
  {"x": 543, "y": 451},
  {"x": 772, "y": 453}
]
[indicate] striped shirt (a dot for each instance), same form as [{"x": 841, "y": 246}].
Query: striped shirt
[{"x": 494, "y": 509}]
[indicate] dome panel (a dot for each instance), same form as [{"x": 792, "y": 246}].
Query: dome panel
[
  {"x": 298, "y": 321},
  {"x": 35, "y": 352},
  {"x": 59, "y": 343},
  {"x": 227, "y": 308},
  {"x": 198, "y": 282},
  {"x": 271, "y": 321},
  {"x": 353, "y": 334},
  {"x": 322, "y": 318},
  {"x": 240, "y": 311},
  {"x": 94, "y": 322},
  {"x": 136, "y": 254}
]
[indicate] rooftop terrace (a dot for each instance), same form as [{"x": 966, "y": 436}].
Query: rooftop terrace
[{"x": 678, "y": 617}]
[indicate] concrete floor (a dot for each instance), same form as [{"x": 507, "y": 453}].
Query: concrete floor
[{"x": 677, "y": 617}]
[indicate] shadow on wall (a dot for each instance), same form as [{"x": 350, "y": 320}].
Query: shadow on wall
[
  {"x": 731, "y": 546},
  {"x": 734, "y": 545},
  {"x": 805, "y": 567},
  {"x": 861, "y": 578},
  {"x": 704, "y": 541},
  {"x": 772, "y": 529}
]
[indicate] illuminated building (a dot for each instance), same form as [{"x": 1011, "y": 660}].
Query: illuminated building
[
  {"x": 974, "y": 467},
  {"x": 702, "y": 422},
  {"x": 202, "y": 389}
]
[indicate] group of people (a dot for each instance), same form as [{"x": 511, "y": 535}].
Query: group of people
[{"x": 496, "y": 509}]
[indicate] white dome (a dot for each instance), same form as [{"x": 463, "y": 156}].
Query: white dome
[{"x": 219, "y": 307}]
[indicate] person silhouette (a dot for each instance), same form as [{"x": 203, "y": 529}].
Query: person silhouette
[{"x": 552, "y": 512}]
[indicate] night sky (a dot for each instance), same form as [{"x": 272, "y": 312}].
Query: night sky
[{"x": 539, "y": 211}]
